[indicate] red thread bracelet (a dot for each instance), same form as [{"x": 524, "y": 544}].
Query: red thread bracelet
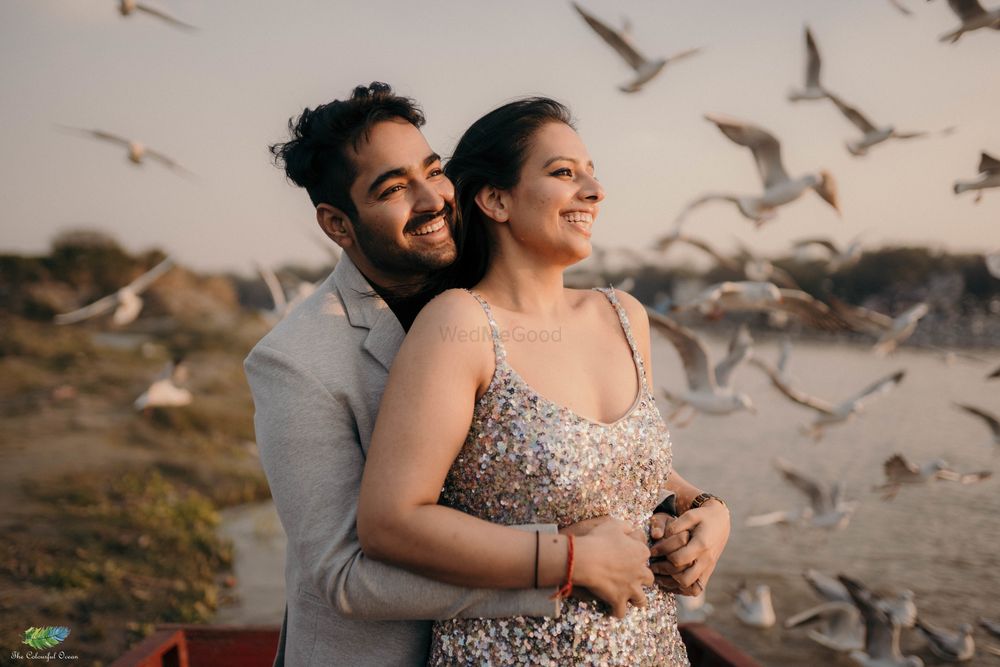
[{"x": 567, "y": 589}]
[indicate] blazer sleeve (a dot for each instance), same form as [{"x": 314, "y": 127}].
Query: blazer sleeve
[{"x": 311, "y": 452}]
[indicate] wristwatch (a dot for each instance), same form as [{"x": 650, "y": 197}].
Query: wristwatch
[{"x": 703, "y": 498}]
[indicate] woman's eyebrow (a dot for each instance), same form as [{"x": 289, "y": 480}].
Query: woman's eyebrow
[{"x": 558, "y": 158}]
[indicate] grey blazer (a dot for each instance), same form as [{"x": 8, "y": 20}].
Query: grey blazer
[{"x": 317, "y": 379}]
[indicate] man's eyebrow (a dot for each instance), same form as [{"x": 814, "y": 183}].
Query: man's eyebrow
[
  {"x": 399, "y": 172},
  {"x": 558, "y": 158}
]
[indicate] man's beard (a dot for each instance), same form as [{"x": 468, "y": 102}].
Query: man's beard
[{"x": 415, "y": 264}]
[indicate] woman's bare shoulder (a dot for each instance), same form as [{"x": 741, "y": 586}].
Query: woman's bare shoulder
[{"x": 454, "y": 309}]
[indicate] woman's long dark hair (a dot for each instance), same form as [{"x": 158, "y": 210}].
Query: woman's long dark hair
[{"x": 491, "y": 152}]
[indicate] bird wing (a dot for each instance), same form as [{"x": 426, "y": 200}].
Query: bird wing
[
  {"x": 765, "y": 147},
  {"x": 97, "y": 134},
  {"x": 619, "y": 42},
  {"x": 897, "y": 466},
  {"x": 692, "y": 351},
  {"x": 98, "y": 307},
  {"x": 168, "y": 161},
  {"x": 811, "y": 311},
  {"x": 740, "y": 349},
  {"x": 903, "y": 9},
  {"x": 681, "y": 55},
  {"x": 992, "y": 627},
  {"x": 705, "y": 247},
  {"x": 817, "y": 498},
  {"x": 856, "y": 117},
  {"x": 139, "y": 285},
  {"x": 791, "y": 393},
  {"x": 994, "y": 375},
  {"x": 813, "y": 62},
  {"x": 861, "y": 319},
  {"x": 704, "y": 199},
  {"x": 274, "y": 287},
  {"x": 152, "y": 11},
  {"x": 881, "y": 637},
  {"x": 826, "y": 586},
  {"x": 988, "y": 164},
  {"x": 826, "y": 243},
  {"x": 909, "y": 135},
  {"x": 988, "y": 417},
  {"x": 967, "y": 10},
  {"x": 876, "y": 388}
]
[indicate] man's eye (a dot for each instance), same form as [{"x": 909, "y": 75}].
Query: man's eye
[{"x": 395, "y": 188}]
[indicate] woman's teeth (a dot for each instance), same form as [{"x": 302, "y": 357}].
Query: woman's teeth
[
  {"x": 428, "y": 228},
  {"x": 579, "y": 218}
]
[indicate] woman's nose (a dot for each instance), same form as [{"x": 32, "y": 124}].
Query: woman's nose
[{"x": 592, "y": 190}]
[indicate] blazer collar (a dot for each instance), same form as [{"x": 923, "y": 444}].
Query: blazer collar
[{"x": 367, "y": 310}]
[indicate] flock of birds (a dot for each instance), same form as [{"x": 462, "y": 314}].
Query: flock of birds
[{"x": 851, "y": 618}]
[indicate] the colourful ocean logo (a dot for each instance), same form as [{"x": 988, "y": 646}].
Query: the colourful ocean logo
[{"x": 44, "y": 638}]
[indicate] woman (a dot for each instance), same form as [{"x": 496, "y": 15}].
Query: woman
[{"x": 520, "y": 401}]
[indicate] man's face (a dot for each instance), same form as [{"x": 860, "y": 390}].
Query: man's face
[{"x": 405, "y": 205}]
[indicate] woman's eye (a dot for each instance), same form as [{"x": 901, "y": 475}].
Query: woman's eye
[
  {"x": 565, "y": 171},
  {"x": 436, "y": 172}
]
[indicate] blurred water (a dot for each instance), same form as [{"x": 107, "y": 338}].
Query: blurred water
[{"x": 941, "y": 541}]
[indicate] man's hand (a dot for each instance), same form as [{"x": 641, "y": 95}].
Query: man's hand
[{"x": 690, "y": 547}]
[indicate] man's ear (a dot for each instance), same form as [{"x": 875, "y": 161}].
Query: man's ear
[
  {"x": 336, "y": 224},
  {"x": 494, "y": 203}
]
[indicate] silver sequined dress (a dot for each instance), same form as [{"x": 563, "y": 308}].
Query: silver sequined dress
[{"x": 529, "y": 460}]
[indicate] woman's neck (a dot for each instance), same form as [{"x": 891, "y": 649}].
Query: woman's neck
[{"x": 525, "y": 285}]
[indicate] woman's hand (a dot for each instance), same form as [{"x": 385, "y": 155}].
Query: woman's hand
[
  {"x": 690, "y": 545},
  {"x": 613, "y": 565}
]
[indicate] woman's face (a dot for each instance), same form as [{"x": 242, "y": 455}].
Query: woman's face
[{"x": 555, "y": 203}]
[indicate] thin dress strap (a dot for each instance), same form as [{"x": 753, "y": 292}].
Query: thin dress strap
[
  {"x": 498, "y": 349},
  {"x": 626, "y": 327}
]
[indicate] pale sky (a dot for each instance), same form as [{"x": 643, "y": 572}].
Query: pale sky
[{"x": 213, "y": 100}]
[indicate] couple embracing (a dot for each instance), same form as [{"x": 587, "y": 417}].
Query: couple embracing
[{"x": 460, "y": 499}]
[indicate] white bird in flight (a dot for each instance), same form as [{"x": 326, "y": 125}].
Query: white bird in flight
[
  {"x": 709, "y": 389},
  {"x": 827, "y": 507},
  {"x": 813, "y": 89},
  {"x": 973, "y": 17},
  {"x": 829, "y": 414},
  {"x": 128, "y": 7},
  {"x": 871, "y": 134},
  {"x": 838, "y": 257},
  {"x": 989, "y": 177},
  {"x": 950, "y": 646},
  {"x": 137, "y": 152},
  {"x": 901, "y": 471},
  {"x": 126, "y": 301},
  {"x": 779, "y": 187},
  {"x": 838, "y": 625},
  {"x": 754, "y": 608},
  {"x": 621, "y": 41},
  {"x": 881, "y": 633},
  {"x": 901, "y": 607},
  {"x": 903, "y": 326},
  {"x": 165, "y": 390}
]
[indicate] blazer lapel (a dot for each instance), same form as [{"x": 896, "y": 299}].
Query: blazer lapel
[{"x": 366, "y": 309}]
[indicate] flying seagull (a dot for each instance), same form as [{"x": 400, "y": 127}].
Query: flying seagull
[
  {"x": 827, "y": 508},
  {"x": 829, "y": 414},
  {"x": 871, "y": 135},
  {"x": 992, "y": 421},
  {"x": 779, "y": 187},
  {"x": 128, "y": 7},
  {"x": 621, "y": 41},
  {"x": 754, "y": 608},
  {"x": 899, "y": 471},
  {"x": 839, "y": 625},
  {"x": 947, "y": 645},
  {"x": 989, "y": 177},
  {"x": 903, "y": 326},
  {"x": 759, "y": 269},
  {"x": 165, "y": 391},
  {"x": 839, "y": 258},
  {"x": 813, "y": 89},
  {"x": 137, "y": 152},
  {"x": 901, "y": 608},
  {"x": 708, "y": 386},
  {"x": 881, "y": 634},
  {"x": 126, "y": 301},
  {"x": 973, "y": 17},
  {"x": 764, "y": 296}
]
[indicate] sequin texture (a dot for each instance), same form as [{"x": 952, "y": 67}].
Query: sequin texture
[{"x": 529, "y": 460}]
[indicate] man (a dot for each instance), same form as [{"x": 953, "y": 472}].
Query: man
[{"x": 318, "y": 377}]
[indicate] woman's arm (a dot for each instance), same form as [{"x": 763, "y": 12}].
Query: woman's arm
[{"x": 423, "y": 421}]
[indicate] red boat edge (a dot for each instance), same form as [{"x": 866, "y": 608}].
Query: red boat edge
[{"x": 254, "y": 646}]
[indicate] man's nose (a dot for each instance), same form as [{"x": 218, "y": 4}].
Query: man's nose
[{"x": 432, "y": 196}]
